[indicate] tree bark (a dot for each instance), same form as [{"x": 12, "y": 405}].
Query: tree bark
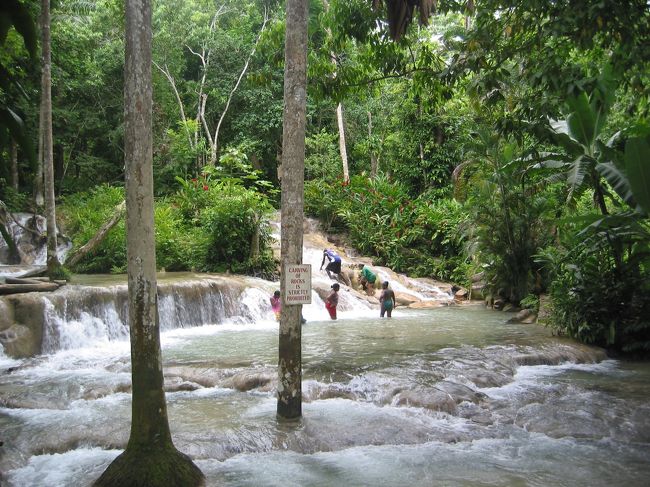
[
  {"x": 28, "y": 288},
  {"x": 38, "y": 177},
  {"x": 342, "y": 149},
  {"x": 150, "y": 457},
  {"x": 92, "y": 244},
  {"x": 292, "y": 204},
  {"x": 53, "y": 264}
]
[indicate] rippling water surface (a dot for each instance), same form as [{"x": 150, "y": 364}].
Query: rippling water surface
[{"x": 446, "y": 397}]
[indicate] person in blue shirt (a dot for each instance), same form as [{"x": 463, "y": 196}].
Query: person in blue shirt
[{"x": 334, "y": 264}]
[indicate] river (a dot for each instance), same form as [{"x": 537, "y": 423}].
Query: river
[{"x": 452, "y": 396}]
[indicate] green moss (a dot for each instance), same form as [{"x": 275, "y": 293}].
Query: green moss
[{"x": 160, "y": 467}]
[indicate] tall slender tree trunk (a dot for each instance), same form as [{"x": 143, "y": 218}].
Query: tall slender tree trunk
[
  {"x": 53, "y": 264},
  {"x": 38, "y": 178},
  {"x": 292, "y": 204},
  {"x": 150, "y": 457},
  {"x": 342, "y": 148}
]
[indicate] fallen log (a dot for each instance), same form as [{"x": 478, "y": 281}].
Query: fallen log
[
  {"x": 39, "y": 271},
  {"x": 19, "y": 280},
  {"x": 89, "y": 246},
  {"x": 28, "y": 288}
]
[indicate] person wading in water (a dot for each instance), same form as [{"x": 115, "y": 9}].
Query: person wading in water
[{"x": 386, "y": 300}]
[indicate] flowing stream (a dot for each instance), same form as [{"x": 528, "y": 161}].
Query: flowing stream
[{"x": 451, "y": 396}]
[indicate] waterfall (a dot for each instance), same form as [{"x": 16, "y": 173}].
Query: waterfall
[
  {"x": 32, "y": 245},
  {"x": 94, "y": 310}
]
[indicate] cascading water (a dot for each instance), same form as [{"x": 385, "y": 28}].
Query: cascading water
[
  {"x": 450, "y": 396},
  {"x": 28, "y": 232}
]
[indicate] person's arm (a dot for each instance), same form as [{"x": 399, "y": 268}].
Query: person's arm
[{"x": 323, "y": 261}]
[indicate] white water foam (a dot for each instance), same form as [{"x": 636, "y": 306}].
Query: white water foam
[
  {"x": 529, "y": 375},
  {"x": 63, "y": 469}
]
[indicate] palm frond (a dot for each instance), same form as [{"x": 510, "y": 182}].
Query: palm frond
[{"x": 618, "y": 180}]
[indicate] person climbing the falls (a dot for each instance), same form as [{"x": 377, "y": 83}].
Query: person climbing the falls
[
  {"x": 367, "y": 279},
  {"x": 332, "y": 300},
  {"x": 386, "y": 300},
  {"x": 276, "y": 304},
  {"x": 334, "y": 264}
]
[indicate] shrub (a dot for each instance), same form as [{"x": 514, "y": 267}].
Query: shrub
[
  {"x": 600, "y": 286},
  {"x": 227, "y": 216}
]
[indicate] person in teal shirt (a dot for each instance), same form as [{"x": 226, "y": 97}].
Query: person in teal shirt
[{"x": 368, "y": 279}]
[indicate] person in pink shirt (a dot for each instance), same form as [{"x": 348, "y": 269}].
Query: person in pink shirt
[{"x": 276, "y": 304}]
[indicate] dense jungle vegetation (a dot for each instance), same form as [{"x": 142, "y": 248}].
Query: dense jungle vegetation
[{"x": 507, "y": 141}]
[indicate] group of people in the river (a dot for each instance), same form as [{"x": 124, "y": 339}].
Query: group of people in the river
[{"x": 367, "y": 278}]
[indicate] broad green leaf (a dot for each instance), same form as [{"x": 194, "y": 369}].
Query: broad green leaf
[
  {"x": 559, "y": 133},
  {"x": 582, "y": 121},
  {"x": 618, "y": 180}
]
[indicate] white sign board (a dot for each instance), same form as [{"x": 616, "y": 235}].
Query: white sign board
[{"x": 297, "y": 284}]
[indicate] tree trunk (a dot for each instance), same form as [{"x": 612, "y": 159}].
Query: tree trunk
[
  {"x": 39, "y": 287},
  {"x": 150, "y": 457},
  {"x": 53, "y": 264},
  {"x": 92, "y": 244},
  {"x": 342, "y": 149},
  {"x": 292, "y": 205},
  {"x": 14, "y": 165},
  {"x": 38, "y": 177}
]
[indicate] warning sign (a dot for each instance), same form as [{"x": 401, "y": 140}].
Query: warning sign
[{"x": 297, "y": 284}]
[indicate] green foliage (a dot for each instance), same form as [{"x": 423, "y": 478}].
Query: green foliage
[
  {"x": 322, "y": 157},
  {"x": 601, "y": 273},
  {"x": 530, "y": 302},
  {"x": 59, "y": 273},
  {"x": 323, "y": 201},
  {"x": 179, "y": 156},
  {"x": 176, "y": 243},
  {"x": 206, "y": 225},
  {"x": 14, "y": 200},
  {"x": 421, "y": 237},
  {"x": 18, "y": 36},
  {"x": 597, "y": 300},
  {"x": 229, "y": 218},
  {"x": 509, "y": 215}
]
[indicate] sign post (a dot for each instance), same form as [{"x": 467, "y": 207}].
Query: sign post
[{"x": 297, "y": 284}]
